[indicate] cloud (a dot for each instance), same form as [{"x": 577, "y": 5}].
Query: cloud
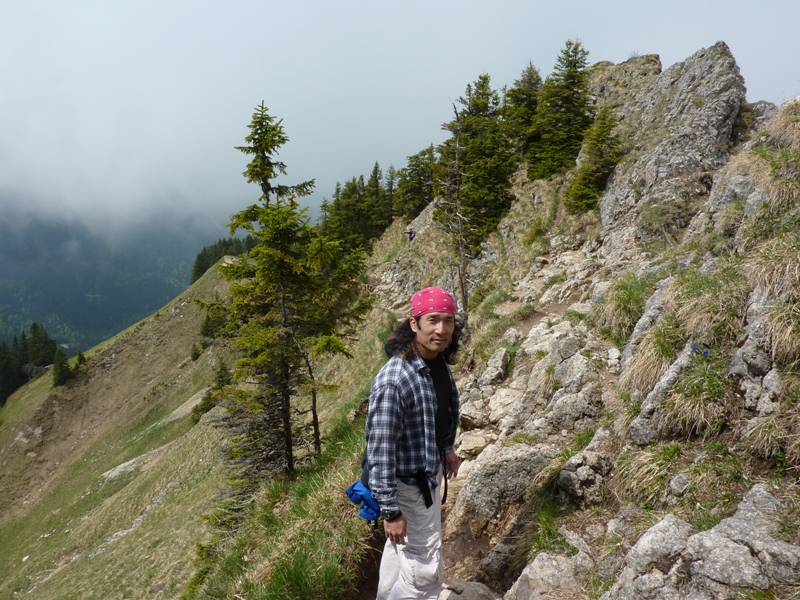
[{"x": 113, "y": 111}]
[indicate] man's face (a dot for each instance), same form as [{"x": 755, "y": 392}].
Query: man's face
[{"x": 434, "y": 332}]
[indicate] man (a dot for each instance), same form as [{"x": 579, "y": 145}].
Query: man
[{"x": 411, "y": 428}]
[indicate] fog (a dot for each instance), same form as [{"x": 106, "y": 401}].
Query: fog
[{"x": 115, "y": 113}]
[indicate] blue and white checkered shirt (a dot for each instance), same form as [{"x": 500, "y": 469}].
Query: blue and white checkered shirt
[{"x": 401, "y": 427}]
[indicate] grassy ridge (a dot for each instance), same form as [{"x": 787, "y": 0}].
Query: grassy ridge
[{"x": 68, "y": 531}]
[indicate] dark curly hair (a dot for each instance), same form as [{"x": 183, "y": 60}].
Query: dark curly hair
[{"x": 403, "y": 339}]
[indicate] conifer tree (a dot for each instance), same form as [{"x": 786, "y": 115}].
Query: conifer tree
[
  {"x": 390, "y": 186},
  {"x": 61, "y": 369},
  {"x": 282, "y": 299},
  {"x": 7, "y": 373},
  {"x": 562, "y": 115},
  {"x": 266, "y": 136},
  {"x": 415, "y": 184},
  {"x": 519, "y": 107},
  {"x": 41, "y": 348},
  {"x": 601, "y": 153},
  {"x": 485, "y": 164}
]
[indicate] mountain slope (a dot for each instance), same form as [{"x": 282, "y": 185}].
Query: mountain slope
[
  {"x": 629, "y": 409},
  {"x": 68, "y": 530}
]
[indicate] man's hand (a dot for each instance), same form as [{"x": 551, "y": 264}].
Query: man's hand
[
  {"x": 396, "y": 530},
  {"x": 451, "y": 465}
]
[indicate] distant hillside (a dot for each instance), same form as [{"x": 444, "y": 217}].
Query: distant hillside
[
  {"x": 85, "y": 285},
  {"x": 102, "y": 480}
]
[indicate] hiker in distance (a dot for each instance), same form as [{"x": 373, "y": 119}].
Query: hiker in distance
[{"x": 411, "y": 429}]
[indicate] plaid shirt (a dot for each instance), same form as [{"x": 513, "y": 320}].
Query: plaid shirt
[{"x": 401, "y": 427}]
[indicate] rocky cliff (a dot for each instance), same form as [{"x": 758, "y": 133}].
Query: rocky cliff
[{"x": 630, "y": 423}]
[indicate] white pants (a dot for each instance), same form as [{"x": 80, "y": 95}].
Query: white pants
[{"x": 414, "y": 570}]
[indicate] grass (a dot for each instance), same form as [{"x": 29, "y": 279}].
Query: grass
[
  {"x": 711, "y": 306},
  {"x": 540, "y": 532},
  {"x": 776, "y": 437},
  {"x": 622, "y": 307},
  {"x": 775, "y": 265},
  {"x": 657, "y": 350},
  {"x": 643, "y": 476},
  {"x": 702, "y": 400},
  {"x": 117, "y": 538},
  {"x": 714, "y": 473},
  {"x": 783, "y": 329},
  {"x": 303, "y": 538}
]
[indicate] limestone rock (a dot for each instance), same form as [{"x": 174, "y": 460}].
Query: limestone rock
[
  {"x": 495, "y": 370},
  {"x": 549, "y": 574},
  {"x": 498, "y": 480},
  {"x": 581, "y": 479},
  {"x": 467, "y": 590}
]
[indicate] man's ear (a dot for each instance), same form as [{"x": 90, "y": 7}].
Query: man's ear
[{"x": 414, "y": 325}]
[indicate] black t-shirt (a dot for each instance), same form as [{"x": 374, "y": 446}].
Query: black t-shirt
[{"x": 444, "y": 391}]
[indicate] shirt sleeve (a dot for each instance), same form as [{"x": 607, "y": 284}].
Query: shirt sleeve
[
  {"x": 384, "y": 427},
  {"x": 455, "y": 409}
]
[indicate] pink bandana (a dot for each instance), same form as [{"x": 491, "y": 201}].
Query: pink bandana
[{"x": 432, "y": 299}]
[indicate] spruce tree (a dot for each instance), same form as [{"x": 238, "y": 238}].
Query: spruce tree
[
  {"x": 478, "y": 160},
  {"x": 61, "y": 369},
  {"x": 415, "y": 184},
  {"x": 562, "y": 115},
  {"x": 519, "y": 107},
  {"x": 284, "y": 295},
  {"x": 601, "y": 153}
]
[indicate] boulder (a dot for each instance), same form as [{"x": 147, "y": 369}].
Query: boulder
[{"x": 498, "y": 480}]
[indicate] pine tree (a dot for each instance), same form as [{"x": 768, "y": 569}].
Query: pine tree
[
  {"x": 562, "y": 115},
  {"x": 61, "y": 369},
  {"x": 485, "y": 164},
  {"x": 601, "y": 153},
  {"x": 415, "y": 184}
]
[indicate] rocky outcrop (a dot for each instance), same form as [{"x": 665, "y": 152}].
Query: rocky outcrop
[
  {"x": 680, "y": 126},
  {"x": 555, "y": 379},
  {"x": 498, "y": 480},
  {"x": 743, "y": 552}
]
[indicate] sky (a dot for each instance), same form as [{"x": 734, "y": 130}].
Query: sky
[{"x": 112, "y": 112}]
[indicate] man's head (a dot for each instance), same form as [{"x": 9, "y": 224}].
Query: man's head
[
  {"x": 427, "y": 306},
  {"x": 432, "y": 321}
]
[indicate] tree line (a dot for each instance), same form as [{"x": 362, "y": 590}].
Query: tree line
[
  {"x": 27, "y": 357},
  {"x": 543, "y": 124},
  {"x": 540, "y": 123}
]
